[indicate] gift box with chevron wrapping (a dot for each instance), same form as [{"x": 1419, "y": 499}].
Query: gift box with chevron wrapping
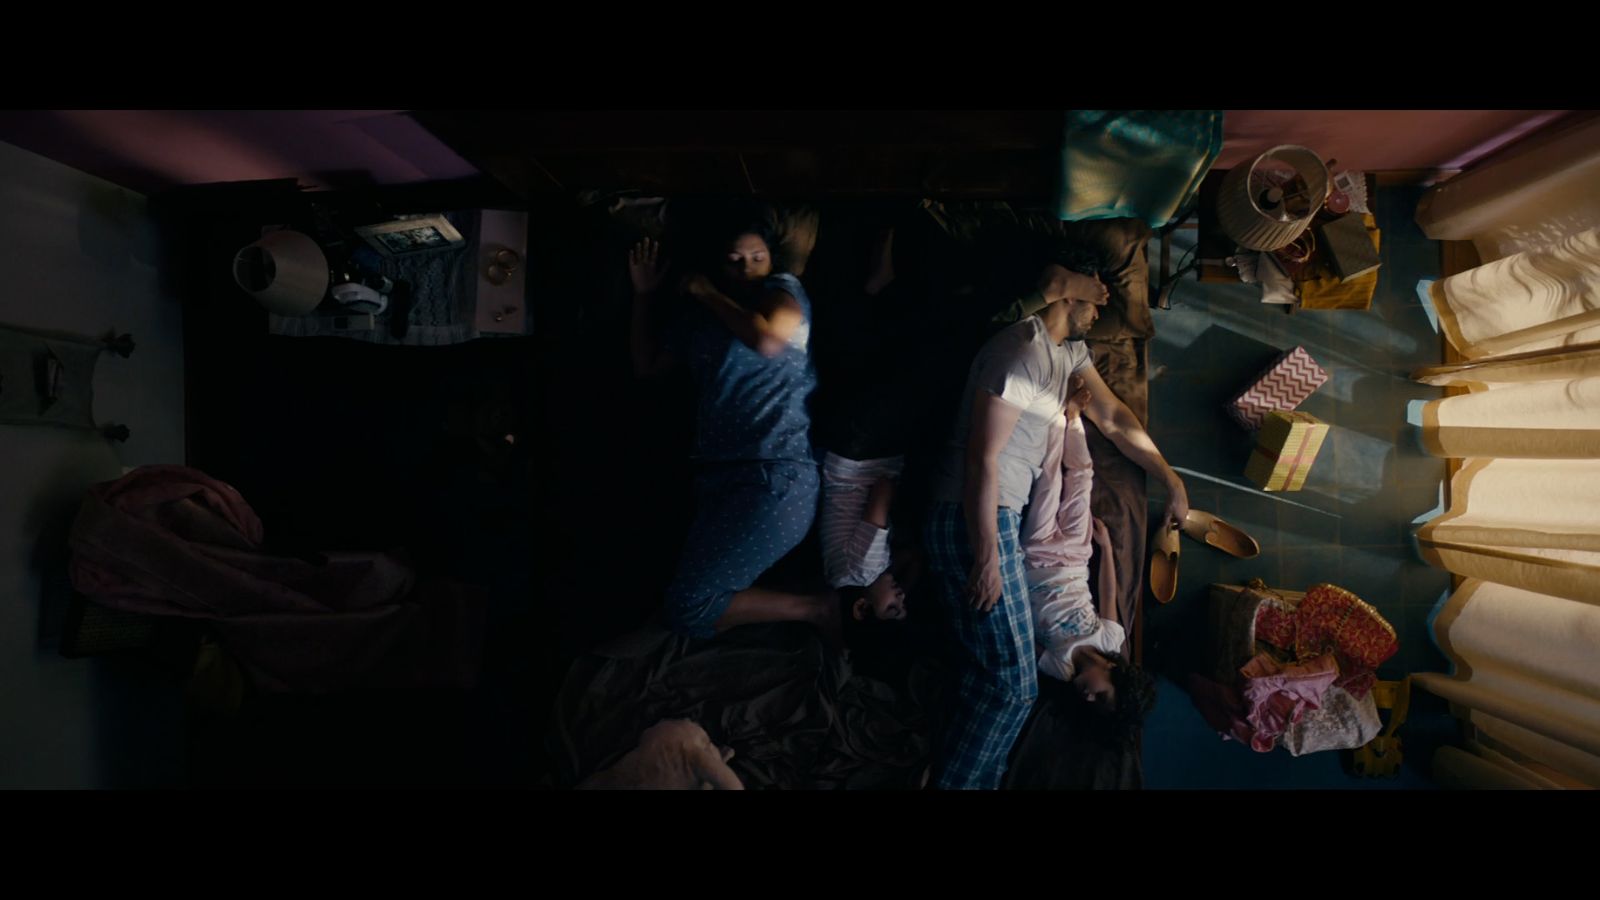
[
  {"x": 1284, "y": 385},
  {"x": 1286, "y": 446}
]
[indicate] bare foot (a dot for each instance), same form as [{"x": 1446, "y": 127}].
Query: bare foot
[{"x": 882, "y": 273}]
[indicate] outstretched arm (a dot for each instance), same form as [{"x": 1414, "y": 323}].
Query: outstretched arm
[
  {"x": 1108, "y": 572},
  {"x": 1118, "y": 423}
]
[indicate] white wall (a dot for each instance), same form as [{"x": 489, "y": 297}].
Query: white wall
[{"x": 79, "y": 254}]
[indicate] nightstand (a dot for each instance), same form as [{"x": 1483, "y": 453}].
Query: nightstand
[{"x": 1213, "y": 247}]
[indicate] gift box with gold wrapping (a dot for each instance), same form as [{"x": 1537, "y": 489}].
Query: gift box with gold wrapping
[{"x": 1286, "y": 446}]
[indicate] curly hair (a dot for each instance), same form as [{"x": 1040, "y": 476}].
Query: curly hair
[
  {"x": 1136, "y": 696},
  {"x": 1136, "y": 692},
  {"x": 866, "y": 634}
]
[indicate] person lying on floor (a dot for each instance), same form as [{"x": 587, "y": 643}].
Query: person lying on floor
[
  {"x": 756, "y": 485},
  {"x": 859, "y": 470},
  {"x": 1078, "y": 644},
  {"x": 874, "y": 412},
  {"x": 1016, "y": 390},
  {"x": 854, "y": 529}
]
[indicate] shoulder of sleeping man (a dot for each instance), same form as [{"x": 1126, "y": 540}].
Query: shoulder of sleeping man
[{"x": 1015, "y": 349}]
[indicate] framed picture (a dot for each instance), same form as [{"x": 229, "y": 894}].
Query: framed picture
[{"x": 403, "y": 237}]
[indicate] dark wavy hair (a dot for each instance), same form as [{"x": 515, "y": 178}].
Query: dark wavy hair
[
  {"x": 1136, "y": 692},
  {"x": 869, "y": 631},
  {"x": 1077, "y": 257},
  {"x": 1136, "y": 696},
  {"x": 726, "y": 225}
]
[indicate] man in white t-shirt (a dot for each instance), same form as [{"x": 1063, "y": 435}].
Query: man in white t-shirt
[{"x": 1016, "y": 390}]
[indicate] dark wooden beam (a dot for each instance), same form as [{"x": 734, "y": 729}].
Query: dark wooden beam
[
  {"x": 538, "y": 132},
  {"x": 1007, "y": 154}
]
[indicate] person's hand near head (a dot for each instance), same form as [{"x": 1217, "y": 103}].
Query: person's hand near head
[
  {"x": 647, "y": 266},
  {"x": 697, "y": 286},
  {"x": 1058, "y": 283}
]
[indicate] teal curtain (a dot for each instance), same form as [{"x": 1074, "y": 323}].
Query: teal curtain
[{"x": 1135, "y": 163}]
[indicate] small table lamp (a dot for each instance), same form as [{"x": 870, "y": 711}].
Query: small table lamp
[
  {"x": 285, "y": 271},
  {"x": 1270, "y": 202}
]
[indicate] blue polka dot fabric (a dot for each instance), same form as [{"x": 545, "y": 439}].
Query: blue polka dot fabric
[
  {"x": 751, "y": 407},
  {"x": 758, "y": 486},
  {"x": 747, "y": 516}
]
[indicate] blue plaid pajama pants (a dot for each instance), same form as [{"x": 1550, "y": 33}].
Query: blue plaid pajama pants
[{"x": 998, "y": 672}]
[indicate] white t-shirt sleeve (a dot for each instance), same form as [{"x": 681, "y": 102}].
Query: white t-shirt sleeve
[
  {"x": 1085, "y": 360},
  {"x": 1062, "y": 616},
  {"x": 1016, "y": 373},
  {"x": 1109, "y": 637}
]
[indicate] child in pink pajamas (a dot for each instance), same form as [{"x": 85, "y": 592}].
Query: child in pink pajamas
[{"x": 1077, "y": 643}]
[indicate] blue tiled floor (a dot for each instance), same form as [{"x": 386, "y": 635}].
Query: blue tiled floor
[{"x": 1352, "y": 523}]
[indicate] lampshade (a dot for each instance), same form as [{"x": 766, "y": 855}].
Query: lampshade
[
  {"x": 285, "y": 271},
  {"x": 1267, "y": 204}
]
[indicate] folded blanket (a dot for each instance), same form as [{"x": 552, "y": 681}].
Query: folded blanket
[
  {"x": 172, "y": 541},
  {"x": 790, "y": 708}
]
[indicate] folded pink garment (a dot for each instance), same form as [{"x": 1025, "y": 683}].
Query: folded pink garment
[
  {"x": 1057, "y": 526},
  {"x": 1277, "y": 695}
]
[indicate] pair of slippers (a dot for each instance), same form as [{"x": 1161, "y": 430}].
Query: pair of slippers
[{"x": 1203, "y": 527}]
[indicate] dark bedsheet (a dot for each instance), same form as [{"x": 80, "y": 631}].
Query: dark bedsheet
[
  {"x": 792, "y": 709},
  {"x": 798, "y": 715},
  {"x": 1119, "y": 483}
]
